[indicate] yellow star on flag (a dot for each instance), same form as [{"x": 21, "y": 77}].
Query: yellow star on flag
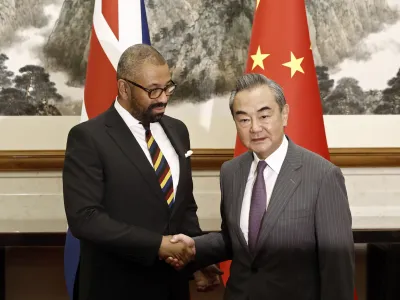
[
  {"x": 294, "y": 64},
  {"x": 258, "y": 59},
  {"x": 258, "y": 2}
]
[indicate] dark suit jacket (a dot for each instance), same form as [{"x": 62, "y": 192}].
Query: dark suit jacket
[
  {"x": 305, "y": 249},
  {"x": 115, "y": 206}
]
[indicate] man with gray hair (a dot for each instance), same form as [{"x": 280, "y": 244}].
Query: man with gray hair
[{"x": 286, "y": 221}]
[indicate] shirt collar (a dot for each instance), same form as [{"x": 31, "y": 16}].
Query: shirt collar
[{"x": 275, "y": 160}]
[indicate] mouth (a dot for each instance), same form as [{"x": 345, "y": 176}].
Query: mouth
[
  {"x": 159, "y": 109},
  {"x": 258, "y": 140}
]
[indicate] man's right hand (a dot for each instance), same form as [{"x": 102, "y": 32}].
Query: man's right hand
[
  {"x": 180, "y": 251},
  {"x": 189, "y": 242}
]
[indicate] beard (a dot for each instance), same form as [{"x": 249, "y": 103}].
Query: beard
[{"x": 148, "y": 116}]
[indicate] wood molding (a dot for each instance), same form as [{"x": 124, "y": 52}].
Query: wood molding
[
  {"x": 202, "y": 159},
  {"x": 365, "y": 157},
  {"x": 57, "y": 239}
]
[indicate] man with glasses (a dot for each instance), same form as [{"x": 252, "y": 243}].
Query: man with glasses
[{"x": 128, "y": 188}]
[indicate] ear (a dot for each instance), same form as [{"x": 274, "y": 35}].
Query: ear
[
  {"x": 285, "y": 114},
  {"x": 123, "y": 89}
]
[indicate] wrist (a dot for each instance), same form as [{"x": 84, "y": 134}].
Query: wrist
[{"x": 164, "y": 241}]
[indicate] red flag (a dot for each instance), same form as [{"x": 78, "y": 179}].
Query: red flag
[
  {"x": 116, "y": 26},
  {"x": 280, "y": 48}
]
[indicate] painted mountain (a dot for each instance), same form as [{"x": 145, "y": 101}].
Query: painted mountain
[{"x": 44, "y": 47}]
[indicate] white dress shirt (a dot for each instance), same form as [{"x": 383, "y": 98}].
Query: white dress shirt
[
  {"x": 274, "y": 164},
  {"x": 160, "y": 137}
]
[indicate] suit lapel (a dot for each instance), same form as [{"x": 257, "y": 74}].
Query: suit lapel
[
  {"x": 239, "y": 186},
  {"x": 288, "y": 179},
  {"x": 170, "y": 131},
  {"x": 122, "y": 136}
]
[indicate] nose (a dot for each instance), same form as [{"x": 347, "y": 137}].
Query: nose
[
  {"x": 163, "y": 98},
  {"x": 255, "y": 126}
]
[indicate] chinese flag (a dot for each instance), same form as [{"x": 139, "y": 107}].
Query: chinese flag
[{"x": 280, "y": 48}]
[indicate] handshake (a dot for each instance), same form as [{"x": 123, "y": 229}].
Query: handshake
[{"x": 178, "y": 251}]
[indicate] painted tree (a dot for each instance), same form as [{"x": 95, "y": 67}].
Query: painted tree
[
  {"x": 346, "y": 99},
  {"x": 35, "y": 82},
  {"x": 390, "y": 104},
  {"x": 13, "y": 102},
  {"x": 5, "y": 74},
  {"x": 31, "y": 94},
  {"x": 372, "y": 99},
  {"x": 324, "y": 82}
]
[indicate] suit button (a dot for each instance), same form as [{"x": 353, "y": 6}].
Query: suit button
[{"x": 254, "y": 270}]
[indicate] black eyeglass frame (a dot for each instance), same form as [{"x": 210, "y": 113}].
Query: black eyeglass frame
[{"x": 149, "y": 91}]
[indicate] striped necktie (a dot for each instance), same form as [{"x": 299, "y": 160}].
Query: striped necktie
[{"x": 161, "y": 167}]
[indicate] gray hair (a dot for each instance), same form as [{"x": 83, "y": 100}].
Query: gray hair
[
  {"x": 134, "y": 57},
  {"x": 252, "y": 80}
]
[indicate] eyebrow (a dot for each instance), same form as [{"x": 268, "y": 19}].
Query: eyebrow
[
  {"x": 264, "y": 108},
  {"x": 159, "y": 85},
  {"x": 241, "y": 112}
]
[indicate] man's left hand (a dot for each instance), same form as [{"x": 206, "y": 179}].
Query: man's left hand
[{"x": 208, "y": 278}]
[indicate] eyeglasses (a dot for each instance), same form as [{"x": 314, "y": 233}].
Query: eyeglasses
[{"x": 169, "y": 89}]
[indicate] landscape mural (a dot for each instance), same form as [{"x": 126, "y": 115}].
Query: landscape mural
[{"x": 44, "y": 46}]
